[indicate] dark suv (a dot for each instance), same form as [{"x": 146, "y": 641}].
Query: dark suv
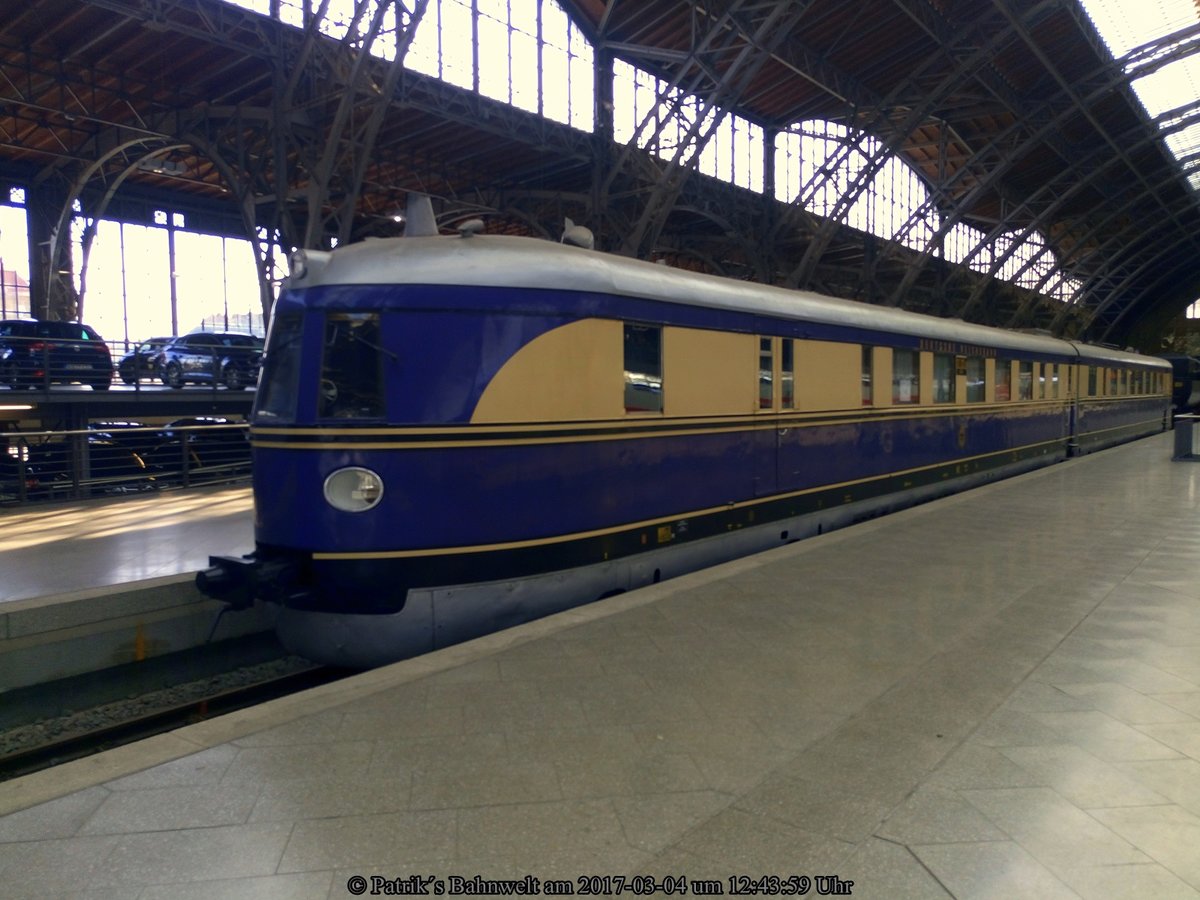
[
  {"x": 211, "y": 357},
  {"x": 142, "y": 360},
  {"x": 34, "y": 353}
]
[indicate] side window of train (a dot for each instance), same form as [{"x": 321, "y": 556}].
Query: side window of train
[
  {"x": 1003, "y": 380},
  {"x": 1091, "y": 385},
  {"x": 868, "y": 375},
  {"x": 643, "y": 368},
  {"x": 1024, "y": 380},
  {"x": 906, "y": 376},
  {"x": 944, "y": 380},
  {"x": 766, "y": 374},
  {"x": 787, "y": 374},
  {"x": 351, "y": 367},
  {"x": 976, "y": 379},
  {"x": 768, "y": 349}
]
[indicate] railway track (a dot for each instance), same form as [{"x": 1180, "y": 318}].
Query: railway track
[{"x": 31, "y": 746}]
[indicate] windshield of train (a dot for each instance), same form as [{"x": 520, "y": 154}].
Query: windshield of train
[
  {"x": 280, "y": 383},
  {"x": 351, "y": 367}
]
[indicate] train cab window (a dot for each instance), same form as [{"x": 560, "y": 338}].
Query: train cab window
[
  {"x": 976, "y": 379},
  {"x": 766, "y": 374},
  {"x": 280, "y": 383},
  {"x": 1003, "y": 380},
  {"x": 643, "y": 368},
  {"x": 906, "y": 376},
  {"x": 868, "y": 370},
  {"x": 1024, "y": 380},
  {"x": 943, "y": 378},
  {"x": 787, "y": 374},
  {"x": 351, "y": 367}
]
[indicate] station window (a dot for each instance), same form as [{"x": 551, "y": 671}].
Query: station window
[
  {"x": 868, "y": 393},
  {"x": 643, "y": 368},
  {"x": 906, "y": 376},
  {"x": 943, "y": 378},
  {"x": 352, "y": 367},
  {"x": 787, "y": 374},
  {"x": 1024, "y": 380},
  {"x": 1003, "y": 380},
  {"x": 976, "y": 379},
  {"x": 766, "y": 374}
]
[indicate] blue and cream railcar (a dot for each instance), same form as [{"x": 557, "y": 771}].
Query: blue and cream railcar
[{"x": 453, "y": 434}]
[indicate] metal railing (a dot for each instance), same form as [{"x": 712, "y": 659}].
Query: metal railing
[{"x": 120, "y": 457}]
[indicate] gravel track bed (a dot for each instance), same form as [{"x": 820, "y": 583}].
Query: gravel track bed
[{"x": 79, "y": 722}]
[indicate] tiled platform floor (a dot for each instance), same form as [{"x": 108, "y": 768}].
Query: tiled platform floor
[
  {"x": 56, "y": 548},
  {"x": 994, "y": 695}
]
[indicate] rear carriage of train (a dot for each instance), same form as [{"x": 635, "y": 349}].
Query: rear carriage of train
[{"x": 454, "y": 434}]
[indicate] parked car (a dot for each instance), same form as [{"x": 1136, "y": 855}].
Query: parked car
[
  {"x": 213, "y": 358},
  {"x": 211, "y": 443},
  {"x": 36, "y": 353},
  {"x": 142, "y": 360}
]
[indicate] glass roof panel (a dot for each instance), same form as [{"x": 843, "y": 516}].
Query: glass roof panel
[{"x": 1126, "y": 25}]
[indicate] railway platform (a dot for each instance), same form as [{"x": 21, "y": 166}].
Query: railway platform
[
  {"x": 91, "y": 583},
  {"x": 995, "y": 694}
]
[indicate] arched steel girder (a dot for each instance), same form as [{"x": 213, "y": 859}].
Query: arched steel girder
[
  {"x": 98, "y": 210},
  {"x": 1115, "y": 77},
  {"x": 349, "y": 144},
  {"x": 1070, "y": 91},
  {"x": 58, "y": 247},
  {"x": 752, "y": 47},
  {"x": 741, "y": 238},
  {"x": 170, "y": 132},
  {"x": 1039, "y": 222},
  {"x": 979, "y": 45},
  {"x": 1131, "y": 278},
  {"x": 1117, "y": 250},
  {"x": 1099, "y": 225},
  {"x": 1114, "y": 250}
]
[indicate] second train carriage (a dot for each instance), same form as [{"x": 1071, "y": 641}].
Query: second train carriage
[{"x": 454, "y": 434}]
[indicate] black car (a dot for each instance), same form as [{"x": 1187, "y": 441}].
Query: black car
[
  {"x": 142, "y": 360},
  {"x": 35, "y": 353},
  {"x": 211, "y": 443},
  {"x": 211, "y": 358}
]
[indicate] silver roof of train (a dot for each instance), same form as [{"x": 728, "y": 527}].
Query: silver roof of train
[{"x": 516, "y": 262}]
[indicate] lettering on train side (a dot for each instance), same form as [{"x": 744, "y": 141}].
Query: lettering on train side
[{"x": 956, "y": 347}]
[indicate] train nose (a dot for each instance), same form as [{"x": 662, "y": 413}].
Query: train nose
[{"x": 237, "y": 581}]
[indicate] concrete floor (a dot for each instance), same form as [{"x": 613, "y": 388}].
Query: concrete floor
[{"x": 993, "y": 695}]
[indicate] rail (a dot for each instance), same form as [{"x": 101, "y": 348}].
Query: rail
[{"x": 121, "y": 457}]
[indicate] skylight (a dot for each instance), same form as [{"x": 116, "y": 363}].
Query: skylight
[{"x": 1127, "y": 25}]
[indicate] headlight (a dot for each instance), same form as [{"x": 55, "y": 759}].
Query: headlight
[{"x": 353, "y": 489}]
